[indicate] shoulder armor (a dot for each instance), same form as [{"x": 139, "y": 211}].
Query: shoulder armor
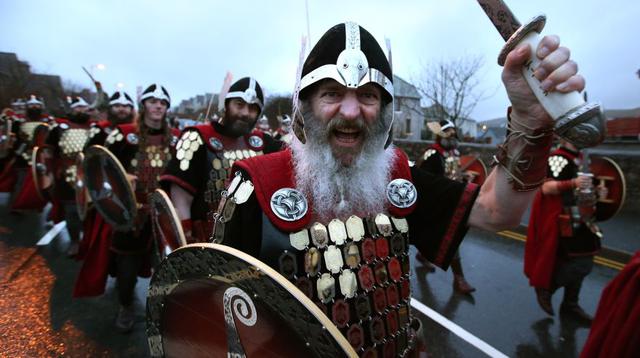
[
  {"x": 557, "y": 163},
  {"x": 115, "y": 136},
  {"x": 186, "y": 146},
  {"x": 428, "y": 153}
]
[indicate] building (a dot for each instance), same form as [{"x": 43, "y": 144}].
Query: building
[
  {"x": 408, "y": 114},
  {"x": 17, "y": 80},
  {"x": 197, "y": 104}
]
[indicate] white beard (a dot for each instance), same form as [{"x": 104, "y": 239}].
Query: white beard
[{"x": 338, "y": 191}]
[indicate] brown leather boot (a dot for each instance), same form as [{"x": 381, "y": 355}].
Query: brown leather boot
[
  {"x": 460, "y": 284},
  {"x": 544, "y": 300},
  {"x": 423, "y": 260}
]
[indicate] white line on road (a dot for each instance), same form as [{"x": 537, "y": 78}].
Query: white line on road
[
  {"x": 457, "y": 330},
  {"x": 55, "y": 230}
]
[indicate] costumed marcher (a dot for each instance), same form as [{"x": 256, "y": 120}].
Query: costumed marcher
[
  {"x": 341, "y": 171},
  {"x": 26, "y": 196},
  {"x": 284, "y": 133},
  {"x": 443, "y": 158},
  {"x": 143, "y": 148},
  {"x": 66, "y": 140},
  {"x": 614, "y": 332},
  {"x": 561, "y": 241},
  {"x": 120, "y": 111},
  {"x": 263, "y": 125},
  {"x": 213, "y": 148}
]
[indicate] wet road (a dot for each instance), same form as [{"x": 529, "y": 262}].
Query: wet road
[{"x": 38, "y": 317}]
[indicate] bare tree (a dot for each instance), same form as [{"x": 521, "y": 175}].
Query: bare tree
[
  {"x": 275, "y": 106},
  {"x": 451, "y": 87}
]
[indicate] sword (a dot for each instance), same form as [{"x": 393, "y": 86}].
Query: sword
[
  {"x": 52, "y": 233},
  {"x": 576, "y": 121}
]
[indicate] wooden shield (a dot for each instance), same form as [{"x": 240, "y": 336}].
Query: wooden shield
[
  {"x": 473, "y": 168},
  {"x": 167, "y": 229},
  {"x": 607, "y": 173},
  {"x": 41, "y": 165},
  {"x": 111, "y": 193},
  {"x": 40, "y": 134},
  {"x": 82, "y": 196},
  {"x": 209, "y": 300}
]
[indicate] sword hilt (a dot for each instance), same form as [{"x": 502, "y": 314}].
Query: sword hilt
[{"x": 576, "y": 121}]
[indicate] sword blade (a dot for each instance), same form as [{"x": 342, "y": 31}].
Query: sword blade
[{"x": 501, "y": 16}]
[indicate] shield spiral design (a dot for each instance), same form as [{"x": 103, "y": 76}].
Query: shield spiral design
[
  {"x": 289, "y": 204},
  {"x": 401, "y": 193}
]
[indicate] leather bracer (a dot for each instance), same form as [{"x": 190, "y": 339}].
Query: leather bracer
[{"x": 524, "y": 153}]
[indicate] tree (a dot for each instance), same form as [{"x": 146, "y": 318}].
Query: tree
[
  {"x": 275, "y": 106},
  {"x": 450, "y": 86}
]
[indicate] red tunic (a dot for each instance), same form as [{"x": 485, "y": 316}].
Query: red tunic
[{"x": 615, "y": 331}]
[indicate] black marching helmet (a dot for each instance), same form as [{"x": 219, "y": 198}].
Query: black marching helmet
[
  {"x": 156, "y": 91},
  {"x": 247, "y": 89},
  {"x": 77, "y": 101},
  {"x": 439, "y": 128},
  {"x": 122, "y": 98},
  {"x": 350, "y": 55},
  {"x": 34, "y": 101}
]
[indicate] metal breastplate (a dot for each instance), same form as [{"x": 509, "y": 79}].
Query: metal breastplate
[
  {"x": 358, "y": 273},
  {"x": 148, "y": 165},
  {"x": 220, "y": 164},
  {"x": 26, "y": 129},
  {"x": 71, "y": 143},
  {"x": 452, "y": 167}
]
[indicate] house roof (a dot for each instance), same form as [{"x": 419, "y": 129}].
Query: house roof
[{"x": 404, "y": 89}]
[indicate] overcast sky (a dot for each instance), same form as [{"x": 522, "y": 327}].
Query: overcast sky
[{"x": 189, "y": 45}]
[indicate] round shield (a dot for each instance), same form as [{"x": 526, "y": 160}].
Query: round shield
[
  {"x": 607, "y": 173},
  {"x": 40, "y": 134},
  {"x": 108, "y": 187},
  {"x": 82, "y": 197},
  {"x": 209, "y": 300},
  {"x": 473, "y": 168},
  {"x": 5, "y": 135},
  {"x": 41, "y": 165},
  {"x": 167, "y": 229}
]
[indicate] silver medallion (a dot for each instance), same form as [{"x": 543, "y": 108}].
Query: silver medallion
[
  {"x": 289, "y": 204},
  {"x": 64, "y": 126},
  {"x": 299, "y": 240},
  {"x": 215, "y": 143},
  {"x": 348, "y": 283},
  {"x": 174, "y": 140},
  {"x": 337, "y": 232},
  {"x": 255, "y": 141},
  {"x": 326, "y": 286},
  {"x": 333, "y": 259},
  {"x": 132, "y": 138},
  {"x": 401, "y": 193}
]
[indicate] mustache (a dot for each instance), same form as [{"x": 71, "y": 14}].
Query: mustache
[{"x": 341, "y": 123}]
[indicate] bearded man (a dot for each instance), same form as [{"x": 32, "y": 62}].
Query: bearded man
[
  {"x": 342, "y": 172},
  {"x": 206, "y": 152},
  {"x": 143, "y": 148}
]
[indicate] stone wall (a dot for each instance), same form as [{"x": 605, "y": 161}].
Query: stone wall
[{"x": 628, "y": 159}]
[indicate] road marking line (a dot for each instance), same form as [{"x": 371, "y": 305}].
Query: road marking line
[
  {"x": 616, "y": 265},
  {"x": 457, "y": 330}
]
